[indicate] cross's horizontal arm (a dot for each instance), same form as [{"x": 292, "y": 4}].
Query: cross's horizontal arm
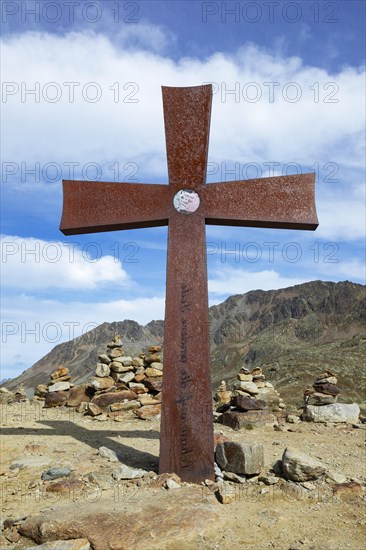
[
  {"x": 94, "y": 206},
  {"x": 280, "y": 202}
]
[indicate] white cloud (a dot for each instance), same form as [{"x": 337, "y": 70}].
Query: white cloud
[
  {"x": 145, "y": 35},
  {"x": 31, "y": 327},
  {"x": 328, "y": 111},
  {"x": 342, "y": 215},
  {"x": 351, "y": 269},
  {"x": 36, "y": 264},
  {"x": 227, "y": 281}
]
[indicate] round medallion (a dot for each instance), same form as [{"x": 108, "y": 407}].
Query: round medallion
[{"x": 186, "y": 201}]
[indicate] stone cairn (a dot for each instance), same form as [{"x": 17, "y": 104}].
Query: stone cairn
[
  {"x": 320, "y": 402},
  {"x": 121, "y": 383},
  {"x": 252, "y": 401},
  {"x": 324, "y": 391},
  {"x": 7, "y": 396}
]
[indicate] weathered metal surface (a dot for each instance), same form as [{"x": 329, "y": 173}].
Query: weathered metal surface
[
  {"x": 187, "y": 115},
  {"x": 94, "y": 206},
  {"x": 186, "y": 204},
  {"x": 285, "y": 202},
  {"x": 186, "y": 434}
]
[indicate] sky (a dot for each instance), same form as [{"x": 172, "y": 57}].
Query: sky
[{"x": 81, "y": 99}]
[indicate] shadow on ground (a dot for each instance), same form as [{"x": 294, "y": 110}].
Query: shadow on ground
[{"x": 97, "y": 438}]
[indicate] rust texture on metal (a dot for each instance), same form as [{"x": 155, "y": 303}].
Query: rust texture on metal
[{"x": 186, "y": 205}]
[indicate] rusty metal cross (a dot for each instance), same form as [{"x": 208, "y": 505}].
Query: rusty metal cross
[{"x": 186, "y": 205}]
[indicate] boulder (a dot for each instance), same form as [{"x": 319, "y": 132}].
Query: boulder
[
  {"x": 148, "y": 411},
  {"x": 269, "y": 395},
  {"x": 126, "y": 360},
  {"x": 248, "y": 387},
  {"x": 125, "y": 472},
  {"x": 103, "y": 358},
  {"x": 154, "y": 349},
  {"x": 102, "y": 383},
  {"x": 106, "y": 399},
  {"x": 105, "y": 452},
  {"x": 94, "y": 409},
  {"x": 62, "y": 371},
  {"x": 137, "y": 387},
  {"x": 148, "y": 400},
  {"x": 115, "y": 343},
  {"x": 159, "y": 520},
  {"x": 59, "y": 386},
  {"x": 317, "y": 398},
  {"x": 152, "y": 358},
  {"x": 336, "y": 412},
  {"x": 115, "y": 352},
  {"x": 102, "y": 369},
  {"x": 55, "y": 473},
  {"x": 240, "y": 458},
  {"x": 126, "y": 378},
  {"x": 323, "y": 378},
  {"x": 154, "y": 384},
  {"x": 128, "y": 405},
  {"x": 325, "y": 387},
  {"x": 115, "y": 366},
  {"x": 137, "y": 362},
  {"x": 244, "y": 377},
  {"x": 41, "y": 390},
  {"x": 56, "y": 399},
  {"x": 60, "y": 379},
  {"x": 237, "y": 420},
  {"x": 248, "y": 403},
  {"x": 6, "y": 396},
  {"x": 78, "y": 395},
  {"x": 150, "y": 371},
  {"x": 298, "y": 466},
  {"x": 156, "y": 365},
  {"x": 139, "y": 377}
]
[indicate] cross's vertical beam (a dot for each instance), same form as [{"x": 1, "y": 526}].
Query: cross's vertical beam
[{"x": 186, "y": 435}]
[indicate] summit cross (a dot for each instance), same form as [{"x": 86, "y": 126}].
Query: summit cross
[{"x": 186, "y": 204}]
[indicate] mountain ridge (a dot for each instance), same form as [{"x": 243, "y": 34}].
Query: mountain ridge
[{"x": 292, "y": 333}]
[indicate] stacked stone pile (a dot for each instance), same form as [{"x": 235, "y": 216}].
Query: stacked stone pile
[
  {"x": 58, "y": 390},
  {"x": 223, "y": 394},
  {"x": 324, "y": 391},
  {"x": 7, "y": 396},
  {"x": 120, "y": 383},
  {"x": 253, "y": 401},
  {"x": 320, "y": 402}
]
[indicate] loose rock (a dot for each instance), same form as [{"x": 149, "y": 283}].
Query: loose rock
[
  {"x": 54, "y": 473},
  {"x": 108, "y": 453},
  {"x": 336, "y": 412},
  {"x": 125, "y": 472},
  {"x": 298, "y": 466},
  {"x": 240, "y": 458}
]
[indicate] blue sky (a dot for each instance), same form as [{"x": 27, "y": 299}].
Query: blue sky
[{"x": 81, "y": 98}]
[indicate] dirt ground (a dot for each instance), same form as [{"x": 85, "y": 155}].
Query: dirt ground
[{"x": 283, "y": 516}]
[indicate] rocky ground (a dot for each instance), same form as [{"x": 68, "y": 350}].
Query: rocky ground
[{"x": 91, "y": 506}]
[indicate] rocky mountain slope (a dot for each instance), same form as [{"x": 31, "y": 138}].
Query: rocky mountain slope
[
  {"x": 292, "y": 333},
  {"x": 80, "y": 354}
]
